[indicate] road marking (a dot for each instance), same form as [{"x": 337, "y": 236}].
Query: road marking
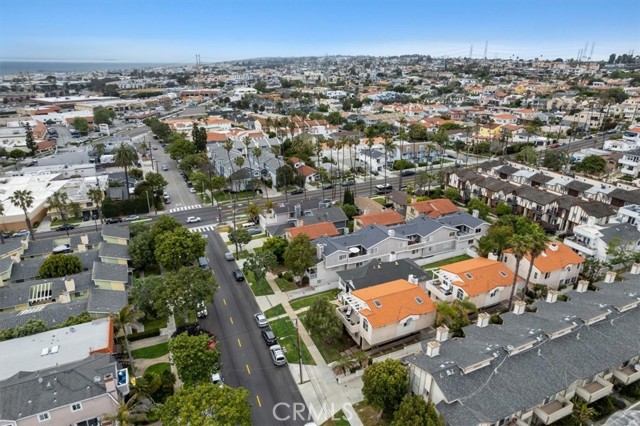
[
  {"x": 248, "y": 369},
  {"x": 259, "y": 402},
  {"x": 239, "y": 343},
  {"x": 224, "y": 301},
  {"x": 231, "y": 319}
]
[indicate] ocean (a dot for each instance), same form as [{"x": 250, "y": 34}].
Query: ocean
[{"x": 16, "y": 67}]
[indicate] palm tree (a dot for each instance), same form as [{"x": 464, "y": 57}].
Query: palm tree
[
  {"x": 97, "y": 196},
  {"x": 59, "y": 201},
  {"x": 388, "y": 146},
  {"x": 401, "y": 162},
  {"x": 520, "y": 245},
  {"x": 361, "y": 358},
  {"x": 582, "y": 413},
  {"x": 228, "y": 146},
  {"x": 129, "y": 413},
  {"x": 539, "y": 242},
  {"x": 276, "y": 150},
  {"x": 370, "y": 145},
  {"x": 343, "y": 364},
  {"x": 23, "y": 199},
  {"x": 2, "y": 232},
  {"x": 126, "y": 316},
  {"x": 257, "y": 153},
  {"x": 125, "y": 156},
  {"x": 247, "y": 141},
  {"x": 331, "y": 144},
  {"x": 239, "y": 161}
]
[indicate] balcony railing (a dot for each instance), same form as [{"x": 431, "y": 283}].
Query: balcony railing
[
  {"x": 627, "y": 375},
  {"x": 553, "y": 411},
  {"x": 352, "y": 323},
  {"x": 595, "y": 390}
]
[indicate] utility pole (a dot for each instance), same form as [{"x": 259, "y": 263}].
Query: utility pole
[{"x": 299, "y": 350}]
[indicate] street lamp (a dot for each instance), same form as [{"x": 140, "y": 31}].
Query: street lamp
[{"x": 299, "y": 349}]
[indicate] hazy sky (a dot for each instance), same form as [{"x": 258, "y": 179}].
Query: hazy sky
[{"x": 175, "y": 31}]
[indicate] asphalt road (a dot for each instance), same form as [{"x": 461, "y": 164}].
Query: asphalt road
[{"x": 246, "y": 360}]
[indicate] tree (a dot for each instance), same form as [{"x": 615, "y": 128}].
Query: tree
[
  {"x": 207, "y": 405},
  {"x": 620, "y": 252},
  {"x": 593, "y": 269},
  {"x": 81, "y": 125},
  {"x": 300, "y": 255},
  {"x": 384, "y": 385},
  {"x": 97, "y": 197},
  {"x": 388, "y": 145},
  {"x": 349, "y": 210},
  {"x": 527, "y": 155},
  {"x": 323, "y": 321},
  {"x": 539, "y": 242},
  {"x": 17, "y": 154},
  {"x": 455, "y": 315},
  {"x": 452, "y": 193},
  {"x": 157, "y": 183},
  {"x": 180, "y": 148},
  {"x": 126, "y": 316},
  {"x": 520, "y": 244},
  {"x": 60, "y": 265},
  {"x": 184, "y": 289},
  {"x": 103, "y": 115},
  {"x": 31, "y": 143},
  {"x": 1, "y": 215},
  {"x": 147, "y": 295},
  {"x": 582, "y": 413},
  {"x": 199, "y": 136},
  {"x": 503, "y": 209},
  {"x": 277, "y": 246},
  {"x": 259, "y": 263},
  {"x": 125, "y": 156},
  {"x": 253, "y": 211},
  {"x": 415, "y": 411},
  {"x": 194, "y": 359},
  {"x": 480, "y": 206},
  {"x": 284, "y": 175},
  {"x": 141, "y": 250},
  {"x": 348, "y": 197},
  {"x": 554, "y": 159},
  {"x": 162, "y": 225},
  {"x": 23, "y": 199},
  {"x": 591, "y": 164},
  {"x": 136, "y": 173},
  {"x": 239, "y": 237},
  {"x": 59, "y": 201},
  {"x": 179, "y": 247}
]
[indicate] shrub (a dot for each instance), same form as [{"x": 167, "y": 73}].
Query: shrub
[
  {"x": 144, "y": 335},
  {"x": 288, "y": 275},
  {"x": 193, "y": 329}
]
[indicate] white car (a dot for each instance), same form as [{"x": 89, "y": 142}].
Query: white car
[
  {"x": 192, "y": 190},
  {"x": 193, "y": 219},
  {"x": 277, "y": 355},
  {"x": 261, "y": 320},
  {"x": 217, "y": 379},
  {"x": 202, "y": 310}
]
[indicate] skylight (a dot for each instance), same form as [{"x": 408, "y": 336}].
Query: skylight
[
  {"x": 468, "y": 275},
  {"x": 377, "y": 303},
  {"x": 419, "y": 300},
  {"x": 503, "y": 273}
]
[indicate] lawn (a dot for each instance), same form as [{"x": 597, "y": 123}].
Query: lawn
[
  {"x": 308, "y": 301},
  {"x": 287, "y": 338},
  {"x": 225, "y": 196},
  {"x": 447, "y": 261},
  {"x": 285, "y": 285},
  {"x": 181, "y": 320},
  {"x": 369, "y": 415},
  {"x": 261, "y": 289},
  {"x": 275, "y": 311},
  {"x": 380, "y": 200},
  {"x": 338, "y": 419},
  {"x": 158, "y": 368},
  {"x": 331, "y": 352},
  {"x": 151, "y": 352},
  {"x": 153, "y": 324}
]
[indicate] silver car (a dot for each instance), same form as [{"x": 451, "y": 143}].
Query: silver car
[
  {"x": 277, "y": 355},
  {"x": 261, "y": 320}
]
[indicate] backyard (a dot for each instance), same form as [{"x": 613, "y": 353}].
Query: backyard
[
  {"x": 151, "y": 352},
  {"x": 158, "y": 368},
  {"x": 287, "y": 338}
]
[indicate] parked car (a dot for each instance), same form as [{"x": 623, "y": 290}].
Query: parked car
[
  {"x": 132, "y": 218},
  {"x": 375, "y": 172},
  {"x": 297, "y": 191},
  {"x": 277, "y": 355},
  {"x": 66, "y": 227},
  {"x": 408, "y": 172},
  {"x": 229, "y": 256},
  {"x": 217, "y": 379},
  {"x": 254, "y": 231},
  {"x": 112, "y": 220},
  {"x": 167, "y": 200},
  {"x": 202, "y": 312},
  {"x": 555, "y": 145},
  {"x": 21, "y": 233},
  {"x": 238, "y": 275},
  {"x": 165, "y": 168},
  {"x": 269, "y": 337},
  {"x": 192, "y": 190},
  {"x": 328, "y": 186},
  {"x": 348, "y": 183},
  {"x": 193, "y": 219},
  {"x": 261, "y": 320}
]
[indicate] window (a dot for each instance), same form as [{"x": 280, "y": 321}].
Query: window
[
  {"x": 373, "y": 250},
  {"x": 377, "y": 303},
  {"x": 43, "y": 417},
  {"x": 479, "y": 230},
  {"x": 468, "y": 275},
  {"x": 76, "y": 407},
  {"x": 407, "y": 322},
  {"x": 535, "y": 275},
  {"x": 342, "y": 257},
  {"x": 460, "y": 294},
  {"x": 452, "y": 234},
  {"x": 547, "y": 275},
  {"x": 365, "y": 325},
  {"x": 419, "y": 300}
]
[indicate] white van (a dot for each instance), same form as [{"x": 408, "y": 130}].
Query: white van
[{"x": 248, "y": 225}]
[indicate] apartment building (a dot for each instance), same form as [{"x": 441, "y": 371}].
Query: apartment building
[{"x": 594, "y": 240}]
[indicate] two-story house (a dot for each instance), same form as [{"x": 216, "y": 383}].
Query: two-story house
[
  {"x": 431, "y": 208},
  {"x": 386, "y": 218},
  {"x": 286, "y": 214},
  {"x": 379, "y": 272},
  {"x": 594, "y": 240},
  {"x": 630, "y": 163}
]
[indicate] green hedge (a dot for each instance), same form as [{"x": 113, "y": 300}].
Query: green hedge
[
  {"x": 112, "y": 208},
  {"x": 144, "y": 335}
]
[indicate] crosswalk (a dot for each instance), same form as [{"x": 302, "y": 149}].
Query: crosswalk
[
  {"x": 185, "y": 208},
  {"x": 204, "y": 228}
]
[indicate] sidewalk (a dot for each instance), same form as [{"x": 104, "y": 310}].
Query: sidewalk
[{"x": 319, "y": 388}]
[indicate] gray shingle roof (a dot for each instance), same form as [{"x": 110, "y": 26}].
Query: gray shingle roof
[
  {"x": 106, "y": 301},
  {"x": 623, "y": 231},
  {"x": 331, "y": 214},
  {"x": 18, "y": 293},
  {"x": 506, "y": 169},
  {"x": 29, "y": 269},
  {"x": 399, "y": 197},
  {"x": 378, "y": 272},
  {"x": 116, "y": 231},
  {"x": 305, "y": 205},
  {"x": 597, "y": 208},
  {"x": 110, "y": 272},
  {"x": 512, "y": 383},
  {"x": 116, "y": 251},
  {"x": 52, "y": 313},
  {"x": 576, "y": 185},
  {"x": 366, "y": 237},
  {"x": 10, "y": 244},
  {"x": 421, "y": 225},
  {"x": 495, "y": 185},
  {"x": 26, "y": 394},
  {"x": 460, "y": 218},
  {"x": 42, "y": 247},
  {"x": 540, "y": 178},
  {"x": 5, "y": 264},
  {"x": 538, "y": 196}
]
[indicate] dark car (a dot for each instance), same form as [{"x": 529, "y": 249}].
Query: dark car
[
  {"x": 112, "y": 220},
  {"x": 238, "y": 275},
  {"x": 408, "y": 172},
  {"x": 297, "y": 191},
  {"x": 329, "y": 186},
  {"x": 254, "y": 231},
  {"x": 65, "y": 227},
  {"x": 269, "y": 337},
  {"x": 348, "y": 183}
]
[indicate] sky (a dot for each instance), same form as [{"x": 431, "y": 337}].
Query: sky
[{"x": 173, "y": 32}]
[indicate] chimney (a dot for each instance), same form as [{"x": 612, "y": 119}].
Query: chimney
[
  {"x": 582, "y": 286},
  {"x": 70, "y": 284},
  {"x": 492, "y": 256},
  {"x": 442, "y": 333},
  {"x": 433, "y": 349},
  {"x": 84, "y": 239},
  {"x": 82, "y": 248},
  {"x": 393, "y": 256},
  {"x": 319, "y": 250},
  {"x": 109, "y": 383},
  {"x": 552, "y": 296},
  {"x": 635, "y": 269},
  {"x": 518, "y": 307},
  {"x": 300, "y": 222},
  {"x": 391, "y": 233},
  {"x": 553, "y": 247},
  {"x": 412, "y": 279},
  {"x": 483, "y": 319},
  {"x": 610, "y": 277},
  {"x": 475, "y": 213}
]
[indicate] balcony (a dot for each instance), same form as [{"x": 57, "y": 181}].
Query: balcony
[
  {"x": 579, "y": 245},
  {"x": 439, "y": 290},
  {"x": 595, "y": 390},
  {"x": 627, "y": 375},
  {"x": 553, "y": 411},
  {"x": 352, "y": 324}
]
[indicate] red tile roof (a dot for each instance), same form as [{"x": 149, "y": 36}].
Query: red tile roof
[
  {"x": 480, "y": 275},
  {"x": 316, "y": 230},
  {"x": 435, "y": 208},
  {"x": 386, "y": 218}
]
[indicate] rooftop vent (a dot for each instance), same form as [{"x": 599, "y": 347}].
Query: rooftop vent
[
  {"x": 433, "y": 349},
  {"x": 518, "y": 307},
  {"x": 442, "y": 333},
  {"x": 583, "y": 285},
  {"x": 610, "y": 277}
]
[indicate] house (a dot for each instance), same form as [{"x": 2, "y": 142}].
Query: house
[
  {"x": 385, "y": 312},
  {"x": 431, "y": 208},
  {"x": 517, "y": 372},
  {"x": 503, "y": 119},
  {"x": 400, "y": 201},
  {"x": 386, "y": 218},
  {"x": 630, "y": 163},
  {"x": 485, "y": 282},
  {"x": 313, "y": 231},
  {"x": 557, "y": 266},
  {"x": 594, "y": 240},
  {"x": 116, "y": 234},
  {"x": 110, "y": 276},
  {"x": 367, "y": 205},
  {"x": 114, "y": 253},
  {"x": 379, "y": 272},
  {"x": 285, "y": 215}
]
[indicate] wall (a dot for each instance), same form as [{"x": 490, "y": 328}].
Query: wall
[
  {"x": 63, "y": 416},
  {"x": 394, "y": 331}
]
